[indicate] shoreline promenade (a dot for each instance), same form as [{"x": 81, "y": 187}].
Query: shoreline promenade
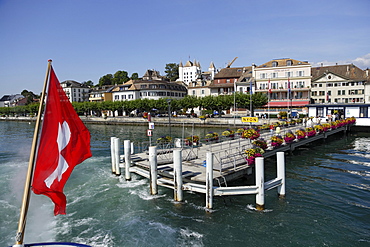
[
  {"x": 163, "y": 121},
  {"x": 222, "y": 122}
]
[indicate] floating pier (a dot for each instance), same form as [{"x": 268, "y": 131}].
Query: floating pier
[{"x": 211, "y": 167}]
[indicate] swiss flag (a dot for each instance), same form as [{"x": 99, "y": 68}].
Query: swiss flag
[{"x": 64, "y": 143}]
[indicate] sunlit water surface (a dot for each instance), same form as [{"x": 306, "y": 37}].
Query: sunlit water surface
[{"x": 327, "y": 199}]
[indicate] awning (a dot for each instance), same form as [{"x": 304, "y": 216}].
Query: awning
[{"x": 287, "y": 103}]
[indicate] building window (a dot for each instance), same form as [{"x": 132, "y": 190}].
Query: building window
[
  {"x": 289, "y": 63},
  {"x": 193, "y": 92},
  {"x": 202, "y": 91},
  {"x": 274, "y": 64},
  {"x": 300, "y": 73},
  {"x": 288, "y": 74},
  {"x": 320, "y": 111},
  {"x": 274, "y": 75}
]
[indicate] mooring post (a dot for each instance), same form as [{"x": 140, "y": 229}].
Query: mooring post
[
  {"x": 209, "y": 180},
  {"x": 132, "y": 148},
  {"x": 177, "y": 174},
  {"x": 153, "y": 170},
  {"x": 260, "y": 183},
  {"x": 127, "y": 147},
  {"x": 112, "y": 154},
  {"x": 117, "y": 155},
  {"x": 281, "y": 172}
]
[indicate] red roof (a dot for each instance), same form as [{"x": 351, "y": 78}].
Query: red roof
[{"x": 287, "y": 103}]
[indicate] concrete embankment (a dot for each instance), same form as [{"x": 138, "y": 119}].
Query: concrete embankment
[
  {"x": 160, "y": 121},
  {"x": 222, "y": 122}
]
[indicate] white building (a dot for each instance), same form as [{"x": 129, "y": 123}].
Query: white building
[
  {"x": 139, "y": 89},
  {"x": 340, "y": 84},
  {"x": 286, "y": 81},
  {"x": 192, "y": 72},
  {"x": 75, "y": 91}
]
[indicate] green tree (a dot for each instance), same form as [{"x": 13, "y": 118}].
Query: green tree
[
  {"x": 88, "y": 83},
  {"x": 258, "y": 100},
  {"x": 108, "y": 106},
  {"x": 129, "y": 106},
  {"x": 120, "y": 77},
  {"x": 242, "y": 100},
  {"x": 33, "y": 108},
  {"x": 29, "y": 95},
  {"x": 189, "y": 102},
  {"x": 106, "y": 80},
  {"x": 96, "y": 108},
  {"x": 134, "y": 76},
  {"x": 78, "y": 106},
  {"x": 172, "y": 71},
  {"x": 208, "y": 102},
  {"x": 160, "y": 105}
]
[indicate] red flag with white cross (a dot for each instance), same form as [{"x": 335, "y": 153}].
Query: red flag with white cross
[{"x": 64, "y": 143}]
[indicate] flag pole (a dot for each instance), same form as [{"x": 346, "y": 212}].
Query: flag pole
[
  {"x": 27, "y": 185},
  {"x": 268, "y": 101}
]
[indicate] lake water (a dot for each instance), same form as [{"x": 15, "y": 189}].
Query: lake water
[{"x": 327, "y": 199}]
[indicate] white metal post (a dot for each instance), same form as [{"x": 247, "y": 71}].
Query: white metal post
[
  {"x": 132, "y": 148},
  {"x": 117, "y": 155},
  {"x": 281, "y": 172},
  {"x": 127, "y": 147},
  {"x": 209, "y": 180},
  {"x": 153, "y": 170},
  {"x": 177, "y": 174},
  {"x": 260, "y": 183},
  {"x": 112, "y": 154}
]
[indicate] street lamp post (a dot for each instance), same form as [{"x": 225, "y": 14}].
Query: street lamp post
[
  {"x": 234, "y": 102},
  {"x": 169, "y": 114},
  {"x": 326, "y": 88}
]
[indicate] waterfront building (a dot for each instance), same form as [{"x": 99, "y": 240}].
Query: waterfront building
[
  {"x": 151, "y": 74},
  {"x": 286, "y": 81},
  {"x": 340, "y": 84},
  {"x": 225, "y": 80},
  {"x": 10, "y": 100},
  {"x": 152, "y": 86},
  {"x": 199, "y": 88},
  {"x": 101, "y": 94},
  {"x": 192, "y": 72},
  {"x": 246, "y": 81},
  {"x": 334, "y": 111},
  {"x": 75, "y": 91}
]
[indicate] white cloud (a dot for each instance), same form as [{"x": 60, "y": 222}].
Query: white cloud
[{"x": 361, "y": 62}]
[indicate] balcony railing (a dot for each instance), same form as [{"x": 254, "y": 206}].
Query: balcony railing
[{"x": 282, "y": 89}]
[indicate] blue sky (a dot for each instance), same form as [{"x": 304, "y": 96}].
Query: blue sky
[{"x": 87, "y": 39}]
